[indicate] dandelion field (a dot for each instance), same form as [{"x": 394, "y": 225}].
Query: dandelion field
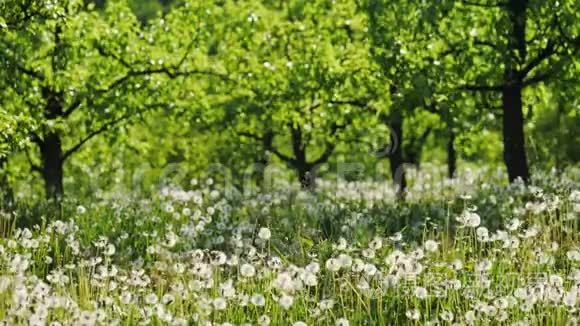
[{"x": 195, "y": 257}]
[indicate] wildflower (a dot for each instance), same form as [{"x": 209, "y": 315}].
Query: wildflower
[
  {"x": 247, "y": 270},
  {"x": 502, "y": 316},
  {"x": 342, "y": 322},
  {"x": 470, "y": 317},
  {"x": 358, "y": 265},
  {"x": 81, "y": 210},
  {"x": 556, "y": 280},
  {"x": 167, "y": 298},
  {"x": 398, "y": 236},
  {"x": 264, "y": 320},
  {"x": 482, "y": 234},
  {"x": 417, "y": 254},
  {"x": 483, "y": 266},
  {"x": 531, "y": 232},
  {"x": 431, "y": 246},
  {"x": 420, "y": 292},
  {"x": 573, "y": 255},
  {"x": 514, "y": 224},
  {"x": 511, "y": 243},
  {"x": 457, "y": 264},
  {"x": 575, "y": 196},
  {"x": 526, "y": 306},
  {"x": 344, "y": 260},
  {"x": 447, "y": 316},
  {"x": 219, "y": 304},
  {"x": 87, "y": 318},
  {"x": 368, "y": 253},
  {"x": 501, "y": 303},
  {"x": 169, "y": 208},
  {"x": 309, "y": 279},
  {"x": 286, "y": 301},
  {"x": 214, "y": 194},
  {"x": 521, "y": 293},
  {"x": 313, "y": 267},
  {"x": 333, "y": 265},
  {"x": 489, "y": 310},
  {"x": 126, "y": 297},
  {"x": 258, "y": 300},
  {"x": 264, "y": 234},
  {"x": 110, "y": 250},
  {"x": 390, "y": 281},
  {"x": 341, "y": 245},
  {"x": 469, "y": 219},
  {"x": 570, "y": 298},
  {"x": 227, "y": 289},
  {"x": 151, "y": 299},
  {"x": 413, "y": 314},
  {"x": 284, "y": 282},
  {"x": 218, "y": 258},
  {"x": 376, "y": 243},
  {"x": 171, "y": 239},
  {"x": 370, "y": 269},
  {"x": 363, "y": 284},
  {"x": 275, "y": 262}
]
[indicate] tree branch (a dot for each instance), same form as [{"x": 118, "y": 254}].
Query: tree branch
[
  {"x": 250, "y": 135},
  {"x": 431, "y": 107},
  {"x": 73, "y": 107},
  {"x": 29, "y": 72},
  {"x": 328, "y": 150},
  {"x": 481, "y": 88},
  {"x": 483, "y": 5},
  {"x": 35, "y": 138},
  {"x": 269, "y": 147},
  {"x": 298, "y": 146},
  {"x": 538, "y": 78},
  {"x": 170, "y": 71},
  {"x": 281, "y": 156},
  {"x": 105, "y": 127},
  {"x": 544, "y": 54},
  {"x": 486, "y": 43},
  {"x": 330, "y": 146},
  {"x": 357, "y": 102}
]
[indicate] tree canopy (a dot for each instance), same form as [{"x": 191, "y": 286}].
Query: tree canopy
[{"x": 295, "y": 82}]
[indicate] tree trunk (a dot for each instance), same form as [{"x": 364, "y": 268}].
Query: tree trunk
[
  {"x": 305, "y": 171},
  {"x": 514, "y": 152},
  {"x": 6, "y": 194},
  {"x": 51, "y": 152},
  {"x": 396, "y": 156},
  {"x": 451, "y": 154},
  {"x": 52, "y": 165},
  {"x": 307, "y": 178},
  {"x": 263, "y": 159}
]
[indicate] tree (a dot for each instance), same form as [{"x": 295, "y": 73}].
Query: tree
[
  {"x": 305, "y": 80},
  {"x": 405, "y": 57},
  {"x": 83, "y": 73},
  {"x": 535, "y": 41}
]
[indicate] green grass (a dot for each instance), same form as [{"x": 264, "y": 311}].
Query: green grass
[{"x": 332, "y": 258}]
